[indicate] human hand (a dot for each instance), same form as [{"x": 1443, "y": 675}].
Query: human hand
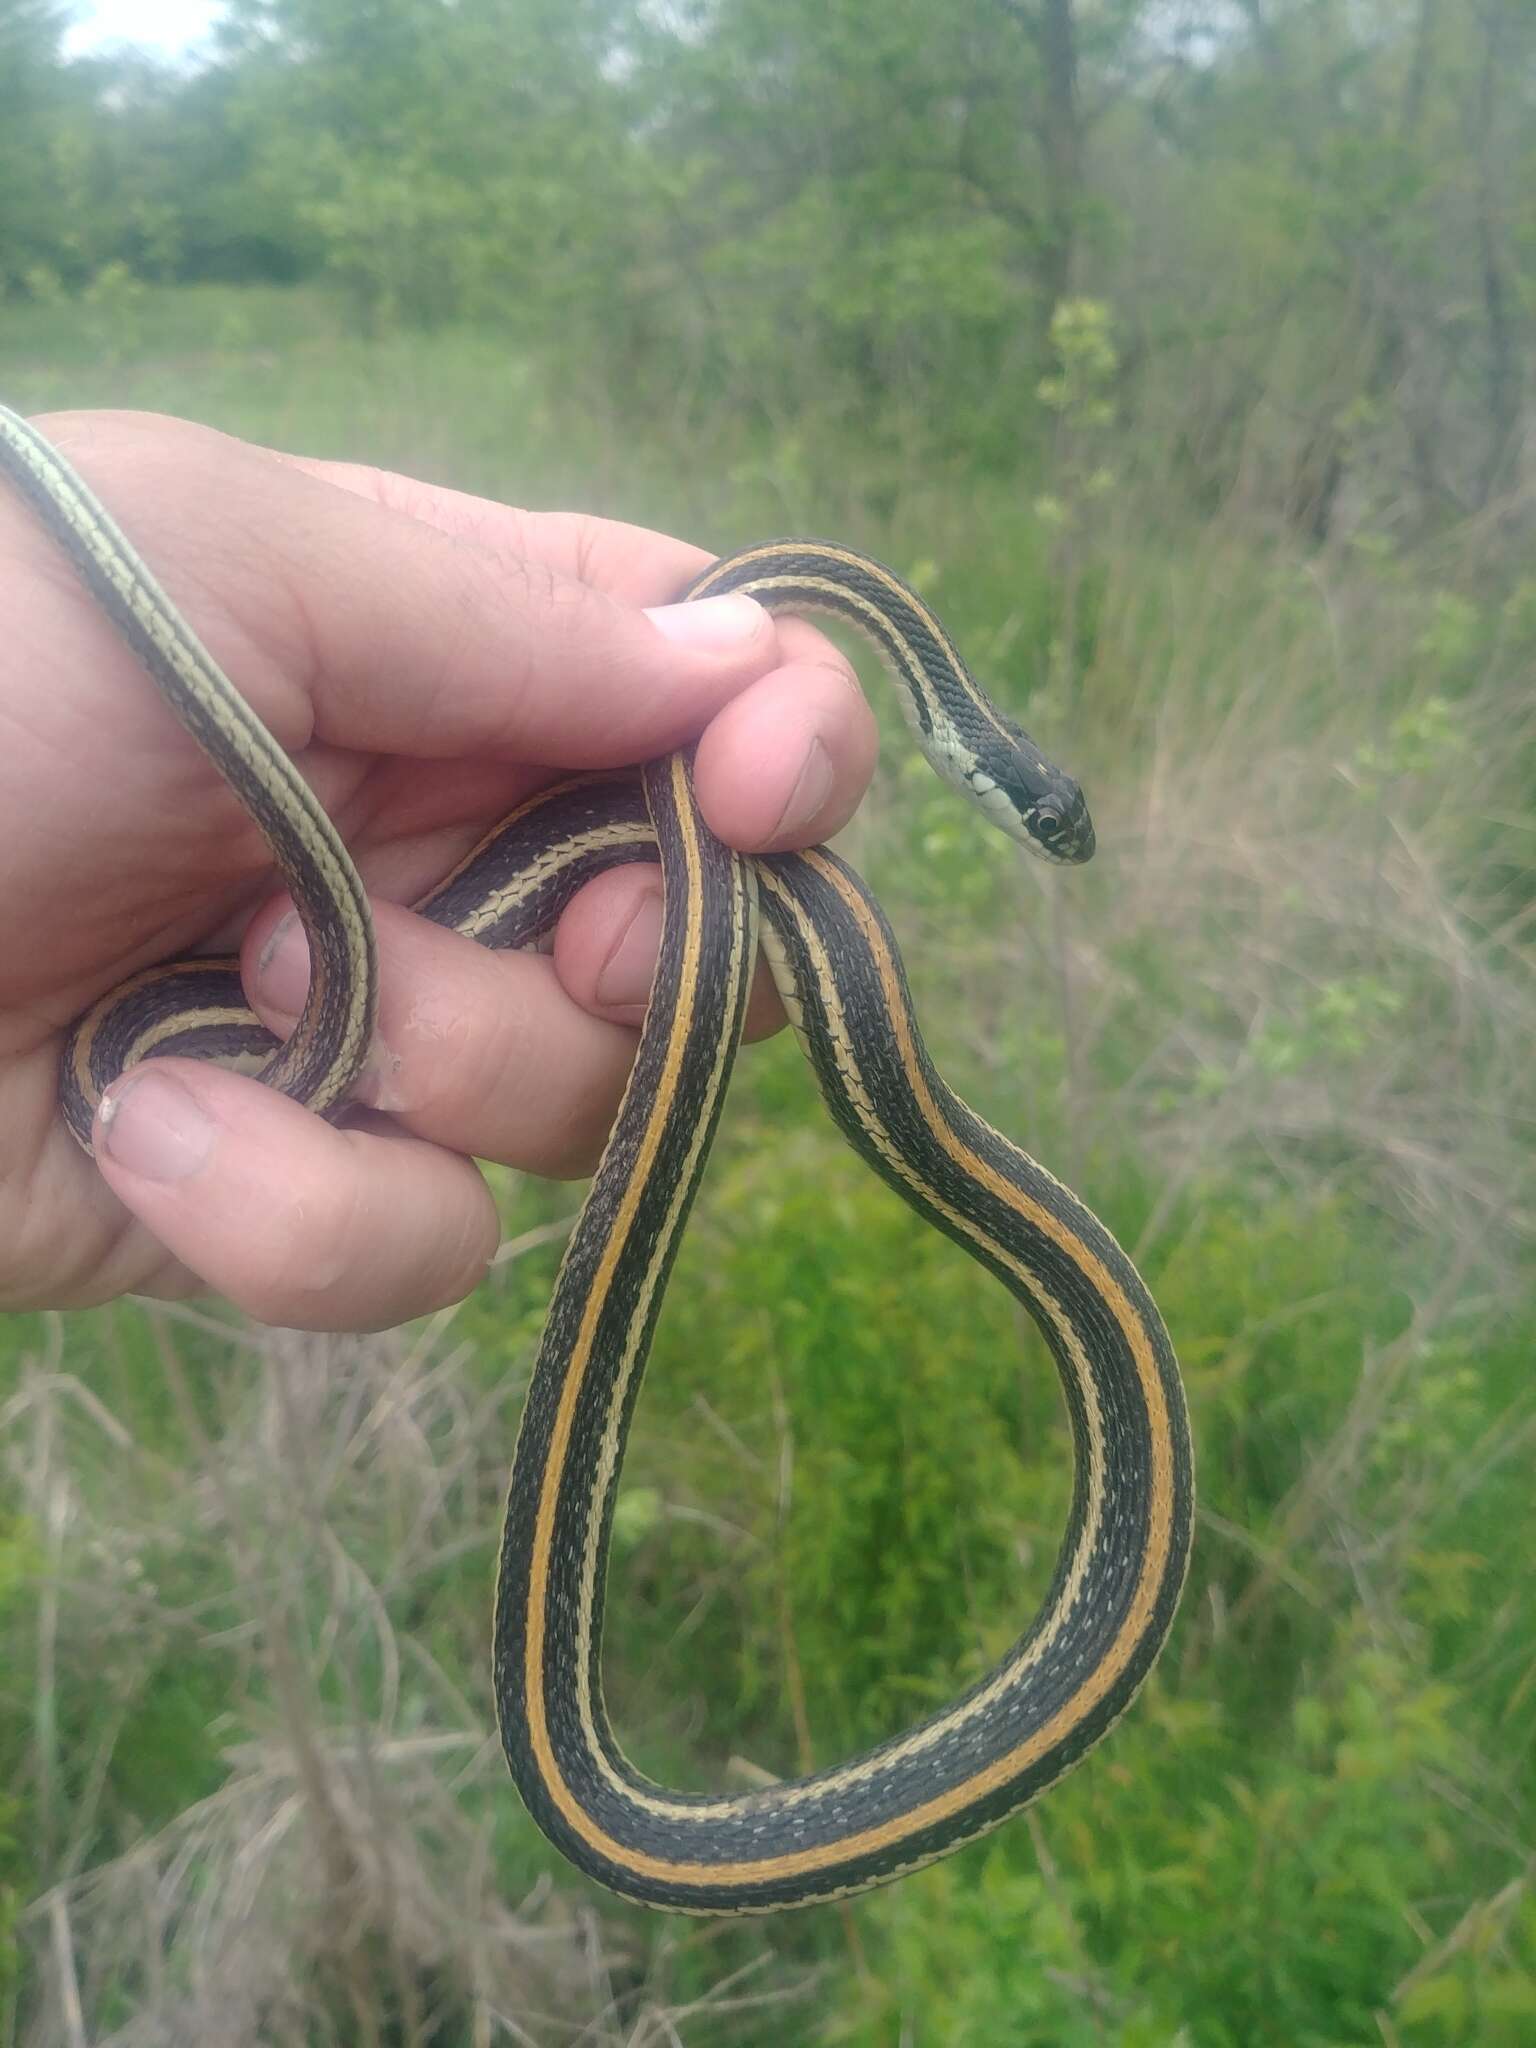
[{"x": 428, "y": 658}]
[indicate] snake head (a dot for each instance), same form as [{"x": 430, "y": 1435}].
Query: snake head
[
  {"x": 1031, "y": 800},
  {"x": 1057, "y": 825}
]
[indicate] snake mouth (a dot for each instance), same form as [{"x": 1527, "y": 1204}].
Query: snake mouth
[{"x": 1081, "y": 841}]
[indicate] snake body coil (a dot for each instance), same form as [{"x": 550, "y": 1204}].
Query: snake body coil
[{"x": 1123, "y": 1558}]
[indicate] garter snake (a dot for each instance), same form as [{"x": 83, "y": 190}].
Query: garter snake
[{"x": 1121, "y": 1566}]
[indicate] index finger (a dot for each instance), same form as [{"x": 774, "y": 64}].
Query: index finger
[
  {"x": 634, "y": 564},
  {"x": 362, "y": 626},
  {"x": 751, "y": 756}
]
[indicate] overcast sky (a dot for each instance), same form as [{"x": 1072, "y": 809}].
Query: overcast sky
[{"x": 167, "y": 26}]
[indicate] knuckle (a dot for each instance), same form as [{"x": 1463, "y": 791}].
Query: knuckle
[
  {"x": 465, "y": 1255},
  {"x": 128, "y": 450},
  {"x": 569, "y": 1148},
  {"x": 549, "y": 1100}
]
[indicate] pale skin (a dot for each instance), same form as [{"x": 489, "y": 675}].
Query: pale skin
[{"x": 428, "y": 658}]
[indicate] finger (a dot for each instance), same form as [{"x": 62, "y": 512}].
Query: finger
[
  {"x": 606, "y": 946},
  {"x": 358, "y": 625},
  {"x": 631, "y": 563},
  {"x": 784, "y": 764},
  {"x": 763, "y": 763},
  {"x": 293, "y": 1220},
  {"x": 483, "y": 1052}
]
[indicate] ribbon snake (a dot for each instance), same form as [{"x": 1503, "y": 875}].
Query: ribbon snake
[{"x": 1121, "y": 1566}]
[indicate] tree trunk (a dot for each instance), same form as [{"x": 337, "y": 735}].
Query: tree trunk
[
  {"x": 1062, "y": 147},
  {"x": 1503, "y": 378},
  {"x": 1051, "y": 27}
]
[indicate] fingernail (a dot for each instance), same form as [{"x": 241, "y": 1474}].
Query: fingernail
[
  {"x": 152, "y": 1126},
  {"x": 629, "y": 970},
  {"x": 282, "y": 966},
  {"x": 713, "y": 622},
  {"x": 809, "y": 794}
]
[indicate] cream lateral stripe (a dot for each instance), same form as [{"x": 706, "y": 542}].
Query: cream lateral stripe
[
  {"x": 581, "y": 1350},
  {"x": 861, "y": 567},
  {"x": 122, "y": 998},
  {"x": 152, "y": 1035},
  {"x": 1106, "y": 1287},
  {"x": 497, "y": 903},
  {"x": 838, "y": 600},
  {"x": 893, "y": 646},
  {"x": 1150, "y": 1582},
  {"x": 321, "y": 1060},
  {"x": 742, "y": 943},
  {"x": 942, "y": 1728},
  {"x": 1011, "y": 1670},
  {"x": 587, "y": 848},
  {"x": 866, "y": 1842},
  {"x": 527, "y": 813},
  {"x": 141, "y": 595}
]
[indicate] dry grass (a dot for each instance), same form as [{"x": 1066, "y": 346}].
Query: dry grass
[
  {"x": 1321, "y": 848},
  {"x": 339, "y": 1884}
]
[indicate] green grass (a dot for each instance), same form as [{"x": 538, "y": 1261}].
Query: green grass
[{"x": 1278, "y": 1036}]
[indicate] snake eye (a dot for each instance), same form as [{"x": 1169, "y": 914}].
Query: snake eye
[{"x": 1047, "y": 824}]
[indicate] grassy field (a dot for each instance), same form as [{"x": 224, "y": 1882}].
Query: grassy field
[{"x": 1278, "y": 1035}]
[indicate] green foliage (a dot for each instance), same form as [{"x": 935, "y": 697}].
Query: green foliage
[
  {"x": 1323, "y": 285},
  {"x": 1085, "y": 354},
  {"x": 1417, "y": 742},
  {"x": 1186, "y": 382}
]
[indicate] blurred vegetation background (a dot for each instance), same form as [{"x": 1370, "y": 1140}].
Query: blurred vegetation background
[{"x": 1181, "y": 353}]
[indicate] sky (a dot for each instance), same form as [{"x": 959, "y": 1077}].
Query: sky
[{"x": 168, "y": 27}]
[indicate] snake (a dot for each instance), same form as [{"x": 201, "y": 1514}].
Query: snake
[{"x": 1123, "y": 1556}]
